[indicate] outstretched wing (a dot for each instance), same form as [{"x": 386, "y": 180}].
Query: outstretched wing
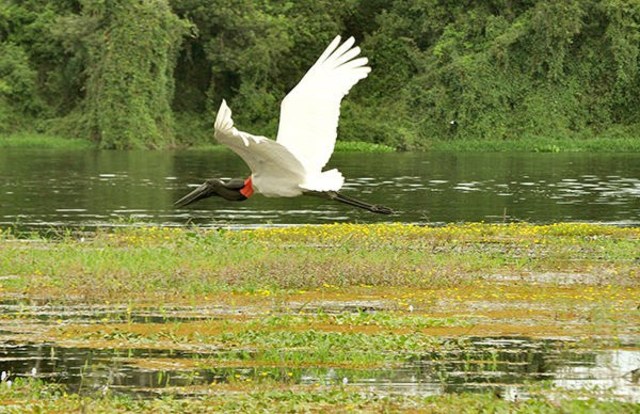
[
  {"x": 309, "y": 113},
  {"x": 263, "y": 156}
]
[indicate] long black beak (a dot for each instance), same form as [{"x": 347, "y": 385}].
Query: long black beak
[{"x": 199, "y": 193}]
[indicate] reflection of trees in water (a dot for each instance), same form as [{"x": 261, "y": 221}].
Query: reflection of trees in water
[
  {"x": 98, "y": 187},
  {"x": 499, "y": 361},
  {"x": 459, "y": 365}
]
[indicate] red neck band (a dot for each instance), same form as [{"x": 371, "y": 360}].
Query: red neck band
[{"x": 247, "y": 190}]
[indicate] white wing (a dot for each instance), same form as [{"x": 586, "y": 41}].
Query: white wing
[
  {"x": 309, "y": 113},
  {"x": 269, "y": 161}
]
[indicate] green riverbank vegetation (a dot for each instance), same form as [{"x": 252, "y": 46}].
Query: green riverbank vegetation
[
  {"x": 41, "y": 141},
  {"x": 151, "y": 73},
  {"x": 343, "y": 296},
  {"x": 593, "y": 145}
]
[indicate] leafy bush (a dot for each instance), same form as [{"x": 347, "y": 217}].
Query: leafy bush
[
  {"x": 120, "y": 72},
  {"x": 18, "y": 97}
]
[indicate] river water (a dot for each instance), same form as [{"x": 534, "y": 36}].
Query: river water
[{"x": 52, "y": 188}]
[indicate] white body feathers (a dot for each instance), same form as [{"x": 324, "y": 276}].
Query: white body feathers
[{"x": 307, "y": 131}]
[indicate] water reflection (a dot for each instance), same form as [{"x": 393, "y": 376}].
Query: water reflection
[
  {"x": 45, "y": 312},
  {"x": 97, "y": 188},
  {"x": 504, "y": 365}
]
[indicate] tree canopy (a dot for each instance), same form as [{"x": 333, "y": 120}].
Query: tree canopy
[{"x": 150, "y": 73}]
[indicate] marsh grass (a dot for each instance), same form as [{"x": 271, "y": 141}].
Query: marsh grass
[{"x": 142, "y": 263}]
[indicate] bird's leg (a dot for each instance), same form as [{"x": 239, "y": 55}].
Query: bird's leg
[{"x": 334, "y": 195}]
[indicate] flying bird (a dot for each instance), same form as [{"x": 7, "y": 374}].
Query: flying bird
[{"x": 292, "y": 165}]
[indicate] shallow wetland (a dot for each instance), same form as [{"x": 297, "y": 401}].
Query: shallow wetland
[{"x": 358, "y": 317}]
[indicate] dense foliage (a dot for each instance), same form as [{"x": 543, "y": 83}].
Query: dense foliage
[{"x": 125, "y": 72}]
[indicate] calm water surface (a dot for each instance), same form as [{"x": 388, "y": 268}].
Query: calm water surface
[{"x": 43, "y": 188}]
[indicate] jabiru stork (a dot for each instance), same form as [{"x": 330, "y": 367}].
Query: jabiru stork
[{"x": 292, "y": 165}]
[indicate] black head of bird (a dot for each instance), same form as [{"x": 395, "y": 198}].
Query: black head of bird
[{"x": 235, "y": 189}]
